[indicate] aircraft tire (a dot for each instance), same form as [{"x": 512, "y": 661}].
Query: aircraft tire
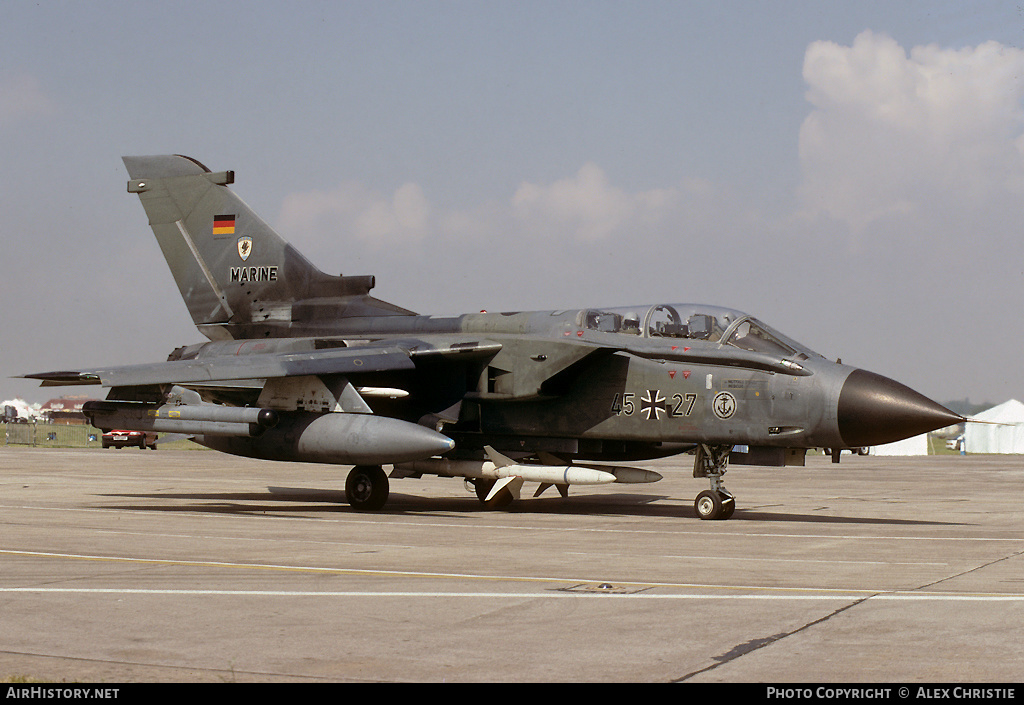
[
  {"x": 366, "y": 487},
  {"x": 709, "y": 505},
  {"x": 728, "y": 506},
  {"x": 499, "y": 501},
  {"x": 482, "y": 488}
]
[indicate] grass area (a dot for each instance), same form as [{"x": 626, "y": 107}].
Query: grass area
[{"x": 55, "y": 435}]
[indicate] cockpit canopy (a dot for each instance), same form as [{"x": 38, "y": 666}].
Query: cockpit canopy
[{"x": 693, "y": 322}]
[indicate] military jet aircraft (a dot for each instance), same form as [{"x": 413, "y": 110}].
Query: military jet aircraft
[{"x": 306, "y": 366}]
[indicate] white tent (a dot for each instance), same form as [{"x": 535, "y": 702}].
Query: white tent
[
  {"x": 916, "y": 445},
  {"x": 1005, "y": 435}
]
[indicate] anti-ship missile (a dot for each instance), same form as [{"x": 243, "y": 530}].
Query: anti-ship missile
[{"x": 500, "y": 467}]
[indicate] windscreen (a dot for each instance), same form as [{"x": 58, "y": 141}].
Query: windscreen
[{"x": 751, "y": 335}]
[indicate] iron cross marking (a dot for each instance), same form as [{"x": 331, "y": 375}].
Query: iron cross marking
[{"x": 653, "y": 405}]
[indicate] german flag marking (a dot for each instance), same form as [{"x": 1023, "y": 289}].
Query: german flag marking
[{"x": 224, "y": 225}]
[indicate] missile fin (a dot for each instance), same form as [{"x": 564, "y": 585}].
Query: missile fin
[
  {"x": 497, "y": 458},
  {"x": 562, "y": 489},
  {"x": 511, "y": 484}
]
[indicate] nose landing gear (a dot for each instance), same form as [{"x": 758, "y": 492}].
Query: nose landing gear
[
  {"x": 714, "y": 504},
  {"x": 717, "y": 503}
]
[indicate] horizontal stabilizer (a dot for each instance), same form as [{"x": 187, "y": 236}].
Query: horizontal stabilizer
[
  {"x": 64, "y": 378},
  {"x": 226, "y": 367},
  {"x": 258, "y": 366}
]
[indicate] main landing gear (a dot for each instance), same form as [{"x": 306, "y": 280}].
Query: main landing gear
[
  {"x": 367, "y": 487},
  {"x": 716, "y": 503}
]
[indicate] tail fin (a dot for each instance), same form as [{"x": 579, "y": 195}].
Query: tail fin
[{"x": 238, "y": 277}]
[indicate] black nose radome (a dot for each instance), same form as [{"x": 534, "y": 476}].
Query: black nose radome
[{"x": 874, "y": 410}]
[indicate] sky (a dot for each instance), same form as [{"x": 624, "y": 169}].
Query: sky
[{"x": 851, "y": 173}]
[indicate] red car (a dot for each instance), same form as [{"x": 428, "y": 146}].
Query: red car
[{"x": 120, "y": 439}]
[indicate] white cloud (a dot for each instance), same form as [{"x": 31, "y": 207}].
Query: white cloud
[
  {"x": 22, "y": 98},
  {"x": 893, "y": 133},
  {"x": 350, "y": 210},
  {"x": 588, "y": 206},
  {"x": 582, "y": 208}
]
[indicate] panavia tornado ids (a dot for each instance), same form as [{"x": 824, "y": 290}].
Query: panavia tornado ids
[{"x": 307, "y": 366}]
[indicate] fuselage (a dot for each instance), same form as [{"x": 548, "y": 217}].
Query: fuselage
[{"x": 619, "y": 383}]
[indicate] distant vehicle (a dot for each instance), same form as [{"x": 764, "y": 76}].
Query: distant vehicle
[
  {"x": 955, "y": 443},
  {"x": 138, "y": 439},
  {"x": 860, "y": 450}
]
